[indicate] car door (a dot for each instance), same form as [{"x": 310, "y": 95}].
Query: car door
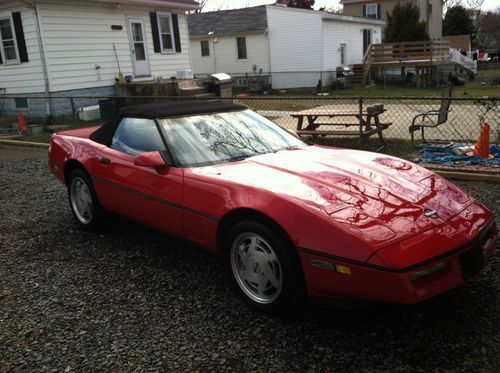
[{"x": 152, "y": 196}]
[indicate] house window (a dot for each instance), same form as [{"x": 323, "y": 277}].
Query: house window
[
  {"x": 8, "y": 50},
  {"x": 372, "y": 11},
  {"x": 241, "y": 82},
  {"x": 205, "y": 48},
  {"x": 429, "y": 9},
  {"x": 165, "y": 29},
  {"x": 21, "y": 102},
  {"x": 343, "y": 52},
  {"x": 241, "y": 44}
]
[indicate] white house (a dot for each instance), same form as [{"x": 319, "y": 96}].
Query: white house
[
  {"x": 289, "y": 46},
  {"x": 77, "y": 48}
]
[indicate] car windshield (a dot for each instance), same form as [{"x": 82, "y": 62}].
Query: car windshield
[{"x": 201, "y": 140}]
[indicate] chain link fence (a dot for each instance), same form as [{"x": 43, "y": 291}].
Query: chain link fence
[
  {"x": 332, "y": 80},
  {"x": 382, "y": 123}
]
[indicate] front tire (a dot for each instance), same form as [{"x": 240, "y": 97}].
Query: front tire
[
  {"x": 263, "y": 267},
  {"x": 83, "y": 200}
]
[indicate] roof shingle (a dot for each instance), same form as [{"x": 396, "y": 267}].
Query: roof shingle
[{"x": 228, "y": 22}]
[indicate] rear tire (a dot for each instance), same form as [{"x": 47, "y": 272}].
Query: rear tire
[
  {"x": 263, "y": 267},
  {"x": 83, "y": 200}
]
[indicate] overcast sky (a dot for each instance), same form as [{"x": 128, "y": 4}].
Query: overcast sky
[{"x": 233, "y": 4}]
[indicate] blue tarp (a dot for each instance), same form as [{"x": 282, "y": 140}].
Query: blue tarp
[{"x": 445, "y": 155}]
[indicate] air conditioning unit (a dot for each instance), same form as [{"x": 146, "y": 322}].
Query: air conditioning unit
[{"x": 89, "y": 112}]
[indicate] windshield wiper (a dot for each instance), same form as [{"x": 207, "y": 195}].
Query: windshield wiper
[
  {"x": 292, "y": 147},
  {"x": 239, "y": 158},
  {"x": 242, "y": 157}
]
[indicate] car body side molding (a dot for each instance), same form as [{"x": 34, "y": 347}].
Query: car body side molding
[{"x": 176, "y": 205}]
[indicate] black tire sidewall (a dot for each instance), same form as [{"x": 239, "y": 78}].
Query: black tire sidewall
[
  {"x": 292, "y": 288},
  {"x": 97, "y": 211}
]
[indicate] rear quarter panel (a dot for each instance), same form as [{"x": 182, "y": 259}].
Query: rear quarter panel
[{"x": 72, "y": 145}]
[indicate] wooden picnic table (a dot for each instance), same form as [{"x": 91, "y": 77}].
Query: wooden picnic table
[{"x": 367, "y": 123}]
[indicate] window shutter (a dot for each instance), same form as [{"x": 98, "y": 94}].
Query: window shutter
[
  {"x": 155, "y": 32},
  {"x": 379, "y": 11},
  {"x": 177, "y": 36},
  {"x": 364, "y": 10},
  {"x": 21, "y": 43}
]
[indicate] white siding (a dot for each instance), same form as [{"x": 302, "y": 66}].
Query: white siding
[
  {"x": 295, "y": 44},
  {"x": 299, "y": 48},
  {"x": 226, "y": 56},
  {"x": 337, "y": 32},
  {"x": 295, "y": 39},
  {"x": 26, "y": 77},
  {"x": 435, "y": 23},
  {"x": 78, "y": 36}
]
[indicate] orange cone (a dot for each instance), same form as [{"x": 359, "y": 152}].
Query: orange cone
[
  {"x": 482, "y": 148},
  {"x": 23, "y": 128}
]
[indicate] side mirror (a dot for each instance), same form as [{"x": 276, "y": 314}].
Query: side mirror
[{"x": 150, "y": 159}]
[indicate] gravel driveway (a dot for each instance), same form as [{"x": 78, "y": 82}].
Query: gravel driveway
[{"x": 131, "y": 299}]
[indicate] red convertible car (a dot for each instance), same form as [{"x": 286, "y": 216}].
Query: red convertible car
[{"x": 292, "y": 220}]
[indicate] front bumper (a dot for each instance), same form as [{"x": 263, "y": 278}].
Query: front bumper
[{"x": 398, "y": 285}]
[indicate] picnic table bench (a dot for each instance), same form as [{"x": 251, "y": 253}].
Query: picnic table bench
[{"x": 367, "y": 123}]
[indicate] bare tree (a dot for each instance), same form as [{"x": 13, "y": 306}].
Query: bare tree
[
  {"x": 488, "y": 29},
  {"x": 474, "y": 4},
  {"x": 202, "y": 5},
  {"x": 447, "y": 4}
]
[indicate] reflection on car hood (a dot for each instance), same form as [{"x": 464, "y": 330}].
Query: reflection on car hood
[{"x": 375, "y": 196}]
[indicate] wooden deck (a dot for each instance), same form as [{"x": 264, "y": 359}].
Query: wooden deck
[
  {"x": 418, "y": 52},
  {"x": 424, "y": 56}
]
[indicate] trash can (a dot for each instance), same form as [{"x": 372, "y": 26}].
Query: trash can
[
  {"x": 221, "y": 85},
  {"x": 344, "y": 74}
]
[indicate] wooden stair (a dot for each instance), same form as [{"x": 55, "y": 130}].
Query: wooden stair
[{"x": 357, "y": 80}]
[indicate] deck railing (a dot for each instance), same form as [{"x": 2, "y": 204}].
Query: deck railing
[
  {"x": 408, "y": 51},
  {"x": 464, "y": 61}
]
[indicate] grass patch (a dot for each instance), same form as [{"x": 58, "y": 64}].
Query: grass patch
[
  {"x": 470, "y": 89},
  {"x": 284, "y": 104},
  {"x": 475, "y": 88},
  {"x": 43, "y": 137},
  {"x": 491, "y": 73}
]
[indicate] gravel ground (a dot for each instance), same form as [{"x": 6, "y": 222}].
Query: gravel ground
[{"x": 131, "y": 299}]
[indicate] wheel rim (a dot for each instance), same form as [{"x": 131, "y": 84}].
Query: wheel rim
[
  {"x": 256, "y": 268},
  {"x": 81, "y": 200}
]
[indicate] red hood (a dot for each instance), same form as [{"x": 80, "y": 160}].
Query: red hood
[{"x": 378, "y": 198}]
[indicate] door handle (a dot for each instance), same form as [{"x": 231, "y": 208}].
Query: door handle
[{"x": 105, "y": 161}]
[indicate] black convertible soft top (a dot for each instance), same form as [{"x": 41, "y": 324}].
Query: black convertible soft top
[{"x": 104, "y": 134}]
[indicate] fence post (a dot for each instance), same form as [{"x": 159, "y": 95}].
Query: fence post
[
  {"x": 73, "y": 110},
  {"x": 361, "y": 123}
]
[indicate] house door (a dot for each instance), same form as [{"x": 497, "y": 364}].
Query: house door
[
  {"x": 138, "y": 47},
  {"x": 367, "y": 39}
]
